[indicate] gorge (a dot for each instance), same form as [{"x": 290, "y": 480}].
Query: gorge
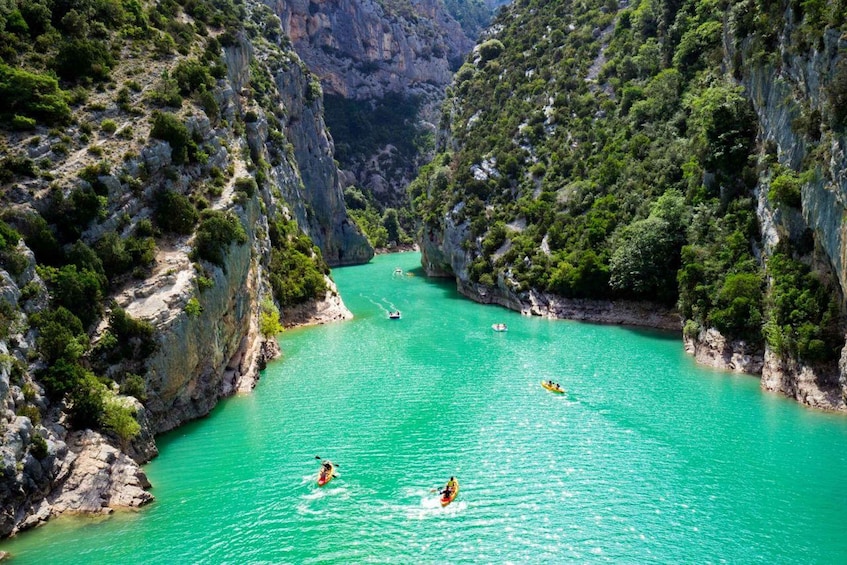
[
  {"x": 170, "y": 197},
  {"x": 648, "y": 457}
]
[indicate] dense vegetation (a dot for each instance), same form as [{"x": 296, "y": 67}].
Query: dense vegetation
[
  {"x": 605, "y": 153},
  {"x": 387, "y": 131},
  {"x": 363, "y": 128},
  {"x": 76, "y": 87},
  {"x": 383, "y": 226},
  {"x": 296, "y": 269}
]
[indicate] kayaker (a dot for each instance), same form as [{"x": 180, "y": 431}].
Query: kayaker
[{"x": 448, "y": 489}]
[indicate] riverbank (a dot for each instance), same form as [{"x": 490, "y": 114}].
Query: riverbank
[
  {"x": 399, "y": 248},
  {"x": 818, "y": 387},
  {"x": 610, "y": 312},
  {"x": 644, "y": 442}
]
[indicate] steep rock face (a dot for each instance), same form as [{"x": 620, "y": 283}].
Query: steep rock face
[
  {"x": 366, "y": 49},
  {"x": 211, "y": 344},
  {"x": 780, "y": 96},
  {"x": 204, "y": 315},
  {"x": 711, "y": 348},
  {"x": 442, "y": 254},
  {"x": 361, "y": 50},
  {"x": 319, "y": 195}
]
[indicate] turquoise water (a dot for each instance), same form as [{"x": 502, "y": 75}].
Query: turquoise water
[{"x": 648, "y": 458}]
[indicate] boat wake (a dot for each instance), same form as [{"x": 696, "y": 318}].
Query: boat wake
[
  {"x": 391, "y": 307},
  {"x": 428, "y": 505}
]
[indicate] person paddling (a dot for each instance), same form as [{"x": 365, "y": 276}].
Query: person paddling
[{"x": 448, "y": 489}]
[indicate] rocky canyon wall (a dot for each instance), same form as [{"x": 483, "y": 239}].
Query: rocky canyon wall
[{"x": 206, "y": 341}]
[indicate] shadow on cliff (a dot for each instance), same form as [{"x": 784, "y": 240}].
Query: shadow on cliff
[{"x": 446, "y": 284}]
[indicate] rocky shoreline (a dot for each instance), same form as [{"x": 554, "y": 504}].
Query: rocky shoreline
[
  {"x": 815, "y": 386},
  {"x": 613, "y": 312},
  {"x": 318, "y": 312},
  {"x": 90, "y": 475}
]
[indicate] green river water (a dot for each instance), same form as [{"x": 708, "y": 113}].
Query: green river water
[{"x": 648, "y": 458}]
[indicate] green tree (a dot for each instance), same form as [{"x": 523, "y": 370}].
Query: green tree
[
  {"x": 61, "y": 335},
  {"x": 217, "y": 230},
  {"x": 169, "y": 128},
  {"x": 119, "y": 418},
  {"x": 77, "y": 290},
  {"x": 724, "y": 124},
  {"x": 785, "y": 189},
  {"x": 269, "y": 324},
  {"x": 174, "y": 212},
  {"x": 391, "y": 223},
  {"x": 639, "y": 262},
  {"x": 31, "y": 94},
  {"x": 738, "y": 310}
]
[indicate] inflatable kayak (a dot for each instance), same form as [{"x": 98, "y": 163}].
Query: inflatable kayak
[
  {"x": 552, "y": 387},
  {"x": 447, "y": 498},
  {"x": 325, "y": 476}
]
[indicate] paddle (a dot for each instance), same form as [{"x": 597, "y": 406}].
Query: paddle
[{"x": 335, "y": 464}]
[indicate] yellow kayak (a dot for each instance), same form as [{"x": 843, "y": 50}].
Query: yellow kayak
[
  {"x": 448, "y": 497},
  {"x": 325, "y": 476},
  {"x": 552, "y": 387}
]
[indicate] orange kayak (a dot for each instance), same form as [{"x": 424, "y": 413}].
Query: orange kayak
[
  {"x": 552, "y": 388},
  {"x": 447, "y": 498},
  {"x": 325, "y": 476}
]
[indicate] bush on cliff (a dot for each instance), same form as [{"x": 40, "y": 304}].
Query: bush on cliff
[
  {"x": 87, "y": 401},
  {"x": 79, "y": 291},
  {"x": 803, "y": 319},
  {"x": 120, "y": 255},
  {"x": 31, "y": 94},
  {"x": 168, "y": 127},
  {"x": 296, "y": 267},
  {"x": 61, "y": 335},
  {"x": 119, "y": 417},
  {"x": 174, "y": 212},
  {"x": 79, "y": 58},
  {"x": 217, "y": 230},
  {"x": 269, "y": 324},
  {"x": 135, "y": 337}
]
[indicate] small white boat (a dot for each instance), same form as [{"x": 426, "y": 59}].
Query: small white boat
[
  {"x": 499, "y": 327},
  {"x": 398, "y": 271},
  {"x": 394, "y": 315}
]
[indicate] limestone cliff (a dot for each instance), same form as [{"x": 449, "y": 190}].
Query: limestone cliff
[
  {"x": 260, "y": 160},
  {"x": 365, "y": 50},
  {"x": 783, "y": 94},
  {"x": 497, "y": 219}
]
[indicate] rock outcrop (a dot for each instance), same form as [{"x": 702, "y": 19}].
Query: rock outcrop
[
  {"x": 317, "y": 195},
  {"x": 781, "y": 94},
  {"x": 711, "y": 348},
  {"x": 206, "y": 344},
  {"x": 367, "y": 49},
  {"x": 790, "y": 84},
  {"x": 363, "y": 48}
]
